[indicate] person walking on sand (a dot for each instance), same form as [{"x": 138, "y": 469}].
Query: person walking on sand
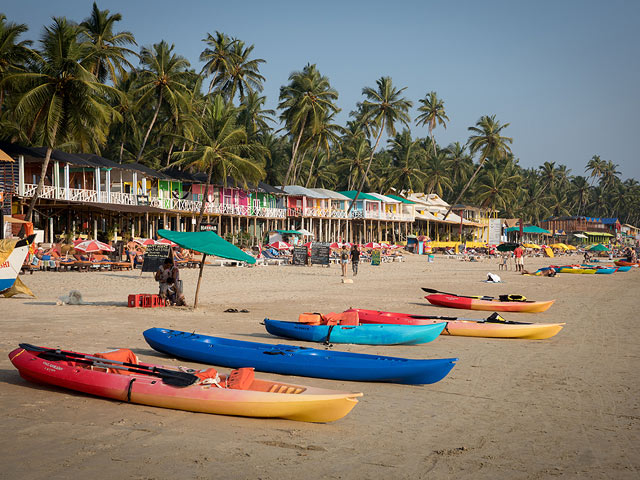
[
  {"x": 355, "y": 258},
  {"x": 519, "y": 254},
  {"x": 344, "y": 260}
]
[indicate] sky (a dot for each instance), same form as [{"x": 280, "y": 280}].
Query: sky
[{"x": 565, "y": 75}]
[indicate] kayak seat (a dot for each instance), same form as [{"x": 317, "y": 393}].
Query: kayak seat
[
  {"x": 120, "y": 355},
  {"x": 241, "y": 378}
]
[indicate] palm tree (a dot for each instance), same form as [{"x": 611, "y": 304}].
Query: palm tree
[
  {"x": 381, "y": 109},
  {"x": 305, "y": 102},
  {"x": 580, "y": 191},
  {"x": 437, "y": 170},
  {"x": 489, "y": 141},
  {"x": 496, "y": 189},
  {"x": 433, "y": 113},
  {"x": 64, "y": 101},
  {"x": 221, "y": 148},
  {"x": 14, "y": 54},
  {"x": 109, "y": 53},
  {"x": 164, "y": 77},
  {"x": 351, "y": 165},
  {"x": 217, "y": 58},
  {"x": 242, "y": 75},
  {"x": 595, "y": 166},
  {"x": 609, "y": 175},
  {"x": 405, "y": 173},
  {"x": 253, "y": 116},
  {"x": 327, "y": 135}
]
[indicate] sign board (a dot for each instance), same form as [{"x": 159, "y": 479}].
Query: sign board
[
  {"x": 154, "y": 256},
  {"x": 142, "y": 199},
  {"x": 209, "y": 227},
  {"x": 495, "y": 231},
  {"x": 376, "y": 256},
  {"x": 300, "y": 255},
  {"x": 320, "y": 253}
]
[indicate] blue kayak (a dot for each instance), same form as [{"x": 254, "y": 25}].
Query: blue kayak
[
  {"x": 369, "y": 334},
  {"x": 294, "y": 360}
]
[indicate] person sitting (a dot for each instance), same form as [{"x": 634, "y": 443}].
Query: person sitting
[
  {"x": 166, "y": 271},
  {"x": 587, "y": 257},
  {"x": 174, "y": 295}
]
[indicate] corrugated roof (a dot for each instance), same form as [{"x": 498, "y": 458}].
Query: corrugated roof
[
  {"x": 384, "y": 198},
  {"x": 298, "y": 190},
  {"x": 330, "y": 194},
  {"x": 363, "y": 196}
]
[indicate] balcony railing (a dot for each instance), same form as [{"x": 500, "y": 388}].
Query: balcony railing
[{"x": 181, "y": 205}]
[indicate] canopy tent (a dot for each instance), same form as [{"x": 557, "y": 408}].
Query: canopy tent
[
  {"x": 528, "y": 229},
  {"x": 305, "y": 232},
  {"x": 207, "y": 243}
]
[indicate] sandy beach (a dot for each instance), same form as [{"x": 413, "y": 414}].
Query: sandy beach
[{"x": 568, "y": 406}]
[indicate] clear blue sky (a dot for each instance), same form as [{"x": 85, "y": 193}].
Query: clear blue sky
[{"x": 564, "y": 74}]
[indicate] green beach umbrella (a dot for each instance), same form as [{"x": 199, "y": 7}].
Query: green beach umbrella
[
  {"x": 207, "y": 243},
  {"x": 507, "y": 247},
  {"x": 598, "y": 248}
]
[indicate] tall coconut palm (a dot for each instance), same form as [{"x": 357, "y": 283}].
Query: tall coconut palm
[
  {"x": 352, "y": 164},
  {"x": 164, "y": 77},
  {"x": 489, "y": 142},
  {"x": 382, "y": 108},
  {"x": 432, "y": 113},
  {"x": 14, "y": 54},
  {"x": 305, "y": 102},
  {"x": 64, "y": 101},
  {"x": 108, "y": 57},
  {"x": 221, "y": 149},
  {"x": 496, "y": 189},
  {"x": 595, "y": 167},
  {"x": 217, "y": 57},
  {"x": 253, "y": 116},
  {"x": 242, "y": 75},
  {"x": 609, "y": 175},
  {"x": 327, "y": 135}
]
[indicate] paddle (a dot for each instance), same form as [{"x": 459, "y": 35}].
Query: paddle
[
  {"x": 170, "y": 377},
  {"x": 502, "y": 298},
  {"x": 432, "y": 290}
]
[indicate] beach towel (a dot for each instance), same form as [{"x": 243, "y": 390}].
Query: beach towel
[{"x": 493, "y": 278}]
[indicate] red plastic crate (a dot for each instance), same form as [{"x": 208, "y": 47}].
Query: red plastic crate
[{"x": 134, "y": 300}]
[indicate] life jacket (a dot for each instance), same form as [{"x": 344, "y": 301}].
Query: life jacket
[
  {"x": 344, "y": 318},
  {"x": 241, "y": 378},
  {"x": 120, "y": 355}
]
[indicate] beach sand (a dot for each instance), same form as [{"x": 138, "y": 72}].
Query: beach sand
[{"x": 515, "y": 409}]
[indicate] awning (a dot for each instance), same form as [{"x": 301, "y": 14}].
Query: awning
[
  {"x": 207, "y": 242},
  {"x": 5, "y": 157},
  {"x": 403, "y": 200},
  {"x": 14, "y": 220},
  {"x": 528, "y": 229},
  {"x": 598, "y": 234},
  {"x": 579, "y": 235},
  {"x": 289, "y": 232}
]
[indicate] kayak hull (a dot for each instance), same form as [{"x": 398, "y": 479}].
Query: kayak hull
[
  {"x": 575, "y": 270},
  {"x": 530, "y": 331},
  {"x": 303, "y": 403},
  {"x": 454, "y": 301},
  {"x": 624, "y": 263},
  {"x": 294, "y": 360},
  {"x": 362, "y": 334}
]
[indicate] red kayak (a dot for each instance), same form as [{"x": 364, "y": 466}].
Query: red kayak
[{"x": 490, "y": 305}]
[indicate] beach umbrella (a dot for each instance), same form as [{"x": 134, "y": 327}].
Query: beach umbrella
[
  {"x": 598, "y": 248},
  {"x": 280, "y": 245},
  {"x": 145, "y": 241},
  {"x": 384, "y": 245},
  {"x": 507, "y": 247},
  {"x": 167, "y": 242},
  {"x": 90, "y": 246},
  {"x": 308, "y": 244},
  {"x": 372, "y": 245},
  {"x": 338, "y": 246}
]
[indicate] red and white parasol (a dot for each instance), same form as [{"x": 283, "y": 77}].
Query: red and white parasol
[
  {"x": 145, "y": 241},
  {"x": 167, "y": 242},
  {"x": 90, "y": 246},
  {"x": 372, "y": 245},
  {"x": 280, "y": 245}
]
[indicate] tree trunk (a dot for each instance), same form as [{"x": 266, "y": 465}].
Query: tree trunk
[
  {"x": 204, "y": 198},
  {"x": 43, "y": 173},
  {"x": 173, "y": 141},
  {"x": 121, "y": 150},
  {"x": 366, "y": 173},
  {"x": 313, "y": 161},
  {"x": 465, "y": 187},
  {"x": 294, "y": 151},
  {"x": 153, "y": 120}
]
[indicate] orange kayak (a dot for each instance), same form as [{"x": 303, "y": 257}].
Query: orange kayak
[
  {"x": 454, "y": 301},
  {"x": 465, "y": 327}
]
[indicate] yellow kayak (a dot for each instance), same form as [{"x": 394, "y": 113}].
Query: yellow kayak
[{"x": 576, "y": 270}]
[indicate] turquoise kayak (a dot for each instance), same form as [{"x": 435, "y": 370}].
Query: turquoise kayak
[{"x": 379, "y": 334}]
